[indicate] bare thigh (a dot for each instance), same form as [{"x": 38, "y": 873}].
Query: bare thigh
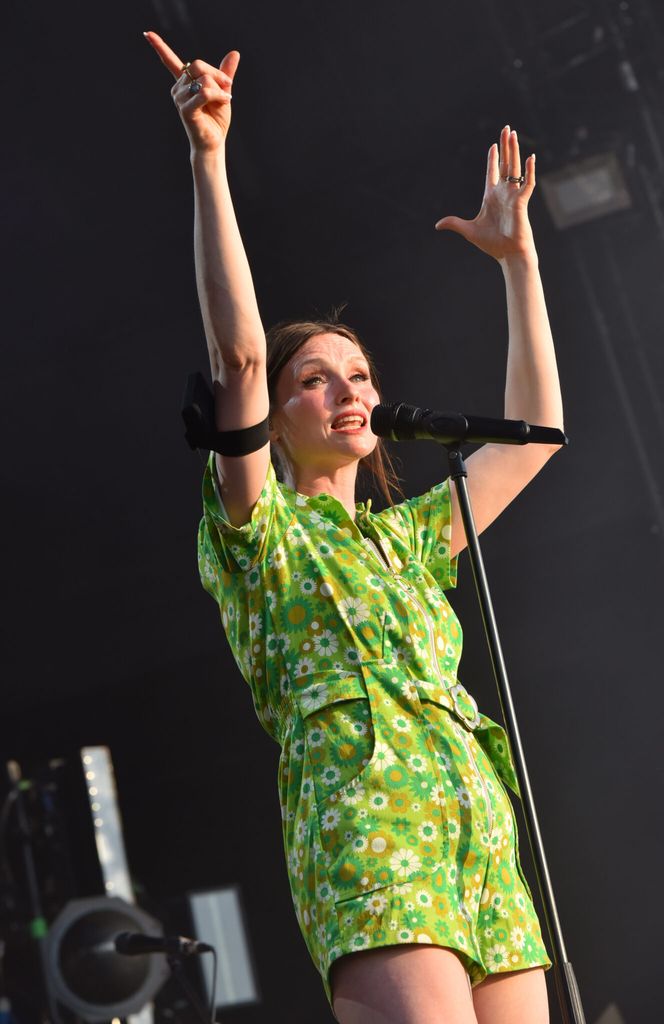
[
  {"x": 517, "y": 997},
  {"x": 402, "y": 985}
]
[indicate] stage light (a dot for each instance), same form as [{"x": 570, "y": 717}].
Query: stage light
[
  {"x": 86, "y": 974},
  {"x": 217, "y": 918},
  {"x": 102, "y": 796},
  {"x": 585, "y": 190}
]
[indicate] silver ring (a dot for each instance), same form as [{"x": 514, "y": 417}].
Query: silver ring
[
  {"x": 515, "y": 181},
  {"x": 195, "y": 87}
]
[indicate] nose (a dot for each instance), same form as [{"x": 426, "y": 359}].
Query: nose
[{"x": 348, "y": 392}]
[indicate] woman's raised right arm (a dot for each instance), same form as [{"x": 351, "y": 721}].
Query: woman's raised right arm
[{"x": 233, "y": 328}]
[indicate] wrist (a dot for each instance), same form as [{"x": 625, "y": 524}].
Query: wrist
[
  {"x": 208, "y": 160},
  {"x": 518, "y": 262}
]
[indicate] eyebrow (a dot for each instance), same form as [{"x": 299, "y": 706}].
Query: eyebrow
[{"x": 322, "y": 360}]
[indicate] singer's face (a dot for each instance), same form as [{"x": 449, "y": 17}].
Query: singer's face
[{"x": 327, "y": 378}]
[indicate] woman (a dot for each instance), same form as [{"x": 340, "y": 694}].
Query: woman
[{"x": 398, "y": 831}]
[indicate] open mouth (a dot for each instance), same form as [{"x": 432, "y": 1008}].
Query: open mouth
[{"x": 356, "y": 421}]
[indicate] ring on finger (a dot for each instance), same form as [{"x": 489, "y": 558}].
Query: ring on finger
[
  {"x": 195, "y": 86},
  {"x": 185, "y": 71},
  {"x": 515, "y": 181}
]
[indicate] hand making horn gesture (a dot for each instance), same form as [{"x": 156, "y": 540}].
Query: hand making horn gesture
[
  {"x": 202, "y": 94},
  {"x": 501, "y": 228}
]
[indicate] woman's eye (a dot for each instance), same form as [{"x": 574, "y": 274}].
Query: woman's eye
[{"x": 317, "y": 376}]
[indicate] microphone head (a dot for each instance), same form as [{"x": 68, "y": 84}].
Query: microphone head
[
  {"x": 123, "y": 942},
  {"x": 394, "y": 421}
]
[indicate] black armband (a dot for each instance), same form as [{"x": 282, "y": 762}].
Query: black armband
[{"x": 200, "y": 429}]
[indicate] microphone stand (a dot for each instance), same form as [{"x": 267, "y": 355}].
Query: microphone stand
[
  {"x": 175, "y": 962},
  {"x": 567, "y": 990}
]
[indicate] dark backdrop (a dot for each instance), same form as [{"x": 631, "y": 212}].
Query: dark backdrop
[{"x": 355, "y": 127}]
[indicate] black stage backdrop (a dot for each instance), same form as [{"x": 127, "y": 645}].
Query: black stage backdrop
[{"x": 355, "y": 127}]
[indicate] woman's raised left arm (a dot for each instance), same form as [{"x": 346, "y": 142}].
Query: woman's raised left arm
[{"x": 497, "y": 473}]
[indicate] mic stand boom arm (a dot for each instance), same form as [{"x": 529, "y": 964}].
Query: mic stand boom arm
[{"x": 566, "y": 987}]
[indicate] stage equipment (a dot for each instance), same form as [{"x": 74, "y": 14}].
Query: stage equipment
[
  {"x": 102, "y": 796},
  {"x": 86, "y": 973},
  {"x": 585, "y": 190},
  {"x": 383, "y": 423},
  {"x": 217, "y": 914},
  {"x": 401, "y": 422},
  {"x": 138, "y": 944}
]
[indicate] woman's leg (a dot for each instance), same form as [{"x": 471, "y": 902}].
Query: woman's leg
[
  {"x": 517, "y": 997},
  {"x": 402, "y": 985}
]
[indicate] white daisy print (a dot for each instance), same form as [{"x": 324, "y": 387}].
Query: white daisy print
[
  {"x": 255, "y": 624},
  {"x": 314, "y": 697},
  {"x": 326, "y": 643},
  {"x": 353, "y": 610},
  {"x": 330, "y": 819},
  {"x": 405, "y": 862},
  {"x": 496, "y": 958},
  {"x": 316, "y": 737},
  {"x": 304, "y": 667},
  {"x": 463, "y": 796},
  {"x": 353, "y": 794},
  {"x": 278, "y": 558},
  {"x": 384, "y": 755},
  {"x": 417, "y": 763},
  {"x": 427, "y": 831},
  {"x": 376, "y": 903},
  {"x": 330, "y": 775}
]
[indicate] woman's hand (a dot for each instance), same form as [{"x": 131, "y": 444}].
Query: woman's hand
[
  {"x": 205, "y": 111},
  {"x": 501, "y": 228}
]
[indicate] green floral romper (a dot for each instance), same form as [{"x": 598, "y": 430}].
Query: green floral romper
[{"x": 396, "y": 822}]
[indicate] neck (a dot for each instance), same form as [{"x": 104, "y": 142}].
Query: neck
[{"x": 340, "y": 483}]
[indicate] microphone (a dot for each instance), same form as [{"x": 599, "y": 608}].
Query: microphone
[
  {"x": 137, "y": 944},
  {"x": 401, "y": 422}
]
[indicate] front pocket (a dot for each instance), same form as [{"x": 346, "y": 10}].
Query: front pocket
[
  {"x": 379, "y": 806},
  {"x": 340, "y": 742},
  {"x": 338, "y": 730}
]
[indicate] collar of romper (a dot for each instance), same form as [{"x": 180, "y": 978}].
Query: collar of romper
[{"x": 327, "y": 504}]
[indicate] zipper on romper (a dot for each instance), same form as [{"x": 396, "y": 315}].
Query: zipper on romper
[
  {"x": 425, "y": 613},
  {"x": 485, "y": 791},
  {"x": 381, "y": 555}
]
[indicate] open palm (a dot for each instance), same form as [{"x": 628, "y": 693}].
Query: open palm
[{"x": 502, "y": 227}]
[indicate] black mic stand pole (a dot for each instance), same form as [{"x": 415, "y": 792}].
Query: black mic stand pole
[
  {"x": 566, "y": 988},
  {"x": 175, "y": 962}
]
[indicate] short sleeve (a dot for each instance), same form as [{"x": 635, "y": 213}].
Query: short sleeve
[
  {"x": 223, "y": 547},
  {"x": 425, "y": 524}
]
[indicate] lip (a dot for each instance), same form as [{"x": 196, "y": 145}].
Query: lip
[{"x": 353, "y": 429}]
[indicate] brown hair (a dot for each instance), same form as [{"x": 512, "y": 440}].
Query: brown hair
[{"x": 283, "y": 341}]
